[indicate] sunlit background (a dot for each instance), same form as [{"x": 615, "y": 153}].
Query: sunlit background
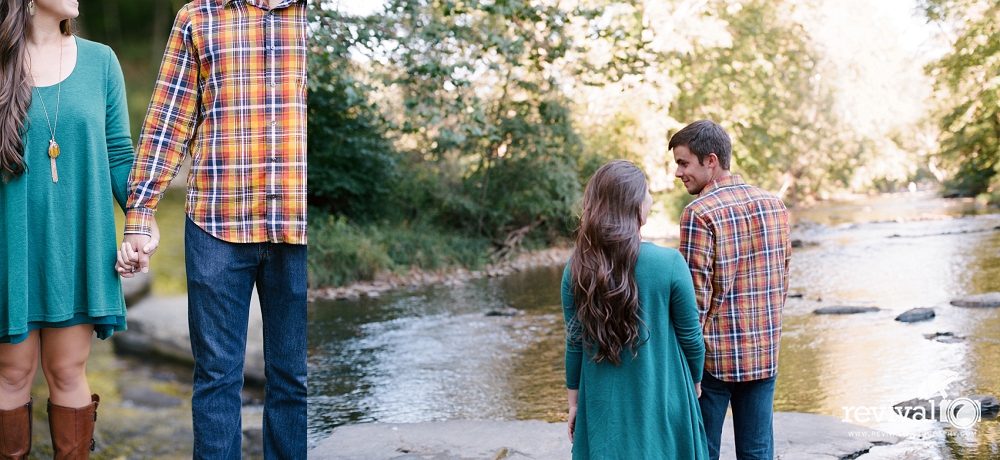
[{"x": 439, "y": 128}]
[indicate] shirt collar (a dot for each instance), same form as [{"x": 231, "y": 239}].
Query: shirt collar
[
  {"x": 728, "y": 181},
  {"x": 223, "y": 3}
]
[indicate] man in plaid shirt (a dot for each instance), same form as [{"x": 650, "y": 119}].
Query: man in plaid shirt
[
  {"x": 735, "y": 238},
  {"x": 231, "y": 95}
]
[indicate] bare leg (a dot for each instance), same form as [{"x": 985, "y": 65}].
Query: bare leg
[
  {"x": 64, "y": 362},
  {"x": 18, "y": 364}
]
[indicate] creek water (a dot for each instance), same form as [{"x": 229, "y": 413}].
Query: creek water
[{"x": 433, "y": 354}]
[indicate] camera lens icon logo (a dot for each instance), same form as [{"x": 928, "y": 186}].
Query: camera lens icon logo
[{"x": 962, "y": 413}]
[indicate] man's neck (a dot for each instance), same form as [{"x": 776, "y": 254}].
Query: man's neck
[{"x": 720, "y": 174}]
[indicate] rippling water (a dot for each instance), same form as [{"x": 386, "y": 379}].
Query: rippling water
[{"x": 432, "y": 354}]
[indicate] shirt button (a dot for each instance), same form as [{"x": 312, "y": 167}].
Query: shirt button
[
  {"x": 273, "y": 122},
  {"x": 272, "y": 85}
]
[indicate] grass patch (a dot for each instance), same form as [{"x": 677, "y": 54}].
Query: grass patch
[{"x": 341, "y": 252}]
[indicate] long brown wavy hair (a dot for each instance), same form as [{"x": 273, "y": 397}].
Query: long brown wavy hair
[
  {"x": 603, "y": 265},
  {"x": 15, "y": 83}
]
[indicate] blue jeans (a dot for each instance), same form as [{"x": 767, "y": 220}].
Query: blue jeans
[
  {"x": 753, "y": 422},
  {"x": 221, "y": 277}
]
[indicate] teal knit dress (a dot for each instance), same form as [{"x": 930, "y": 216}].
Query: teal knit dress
[
  {"x": 58, "y": 242},
  {"x": 646, "y": 408}
]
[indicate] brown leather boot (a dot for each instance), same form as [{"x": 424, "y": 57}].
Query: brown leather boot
[
  {"x": 15, "y": 432},
  {"x": 73, "y": 430}
]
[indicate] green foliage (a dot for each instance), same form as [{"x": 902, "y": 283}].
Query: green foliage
[
  {"x": 489, "y": 142},
  {"x": 137, "y": 30},
  {"x": 968, "y": 86},
  {"x": 765, "y": 89},
  {"x": 352, "y": 166},
  {"x": 342, "y": 253}
]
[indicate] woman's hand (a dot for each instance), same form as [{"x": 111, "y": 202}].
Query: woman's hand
[
  {"x": 123, "y": 266},
  {"x": 132, "y": 259},
  {"x": 571, "y": 426}
]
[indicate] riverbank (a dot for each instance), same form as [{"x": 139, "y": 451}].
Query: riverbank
[
  {"x": 797, "y": 436},
  {"x": 415, "y": 278}
]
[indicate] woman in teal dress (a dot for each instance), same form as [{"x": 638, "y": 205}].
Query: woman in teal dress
[
  {"x": 65, "y": 156},
  {"x": 634, "y": 349}
]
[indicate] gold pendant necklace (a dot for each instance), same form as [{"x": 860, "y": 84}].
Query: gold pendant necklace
[{"x": 53, "y": 145}]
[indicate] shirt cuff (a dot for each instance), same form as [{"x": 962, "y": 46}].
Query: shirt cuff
[{"x": 139, "y": 220}]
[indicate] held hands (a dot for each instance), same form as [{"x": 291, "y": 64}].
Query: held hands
[
  {"x": 136, "y": 250},
  {"x": 697, "y": 389}
]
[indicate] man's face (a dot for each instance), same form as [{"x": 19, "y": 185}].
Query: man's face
[{"x": 694, "y": 175}]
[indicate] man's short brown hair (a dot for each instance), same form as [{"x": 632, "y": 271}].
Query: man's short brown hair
[{"x": 702, "y": 138}]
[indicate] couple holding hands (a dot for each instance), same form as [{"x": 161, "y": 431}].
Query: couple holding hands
[
  {"x": 659, "y": 342},
  {"x": 231, "y": 96}
]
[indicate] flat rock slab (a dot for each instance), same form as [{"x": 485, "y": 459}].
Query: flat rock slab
[
  {"x": 159, "y": 325},
  {"x": 844, "y": 310},
  {"x": 987, "y": 300},
  {"x": 450, "y": 440},
  {"x": 916, "y": 314},
  {"x": 922, "y": 409},
  {"x": 797, "y": 437},
  {"x": 136, "y": 288},
  {"x": 800, "y": 436}
]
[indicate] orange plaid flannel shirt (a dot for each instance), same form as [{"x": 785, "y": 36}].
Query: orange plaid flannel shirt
[
  {"x": 231, "y": 94},
  {"x": 735, "y": 238}
]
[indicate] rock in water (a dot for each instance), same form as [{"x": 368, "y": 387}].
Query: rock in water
[
  {"x": 844, "y": 310},
  {"x": 504, "y": 312},
  {"x": 916, "y": 314},
  {"x": 987, "y": 300},
  {"x": 945, "y": 337},
  {"x": 924, "y": 409}
]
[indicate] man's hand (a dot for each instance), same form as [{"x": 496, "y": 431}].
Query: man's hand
[
  {"x": 697, "y": 389},
  {"x": 136, "y": 250}
]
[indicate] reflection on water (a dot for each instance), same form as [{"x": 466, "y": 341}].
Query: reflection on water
[{"x": 434, "y": 355}]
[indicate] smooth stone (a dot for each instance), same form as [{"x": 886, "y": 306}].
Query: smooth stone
[
  {"x": 844, "y": 310},
  {"x": 504, "y": 312},
  {"x": 951, "y": 339},
  {"x": 159, "y": 325},
  {"x": 136, "y": 288},
  {"x": 148, "y": 398},
  {"x": 916, "y": 314},
  {"x": 253, "y": 442},
  {"x": 801, "y": 243},
  {"x": 989, "y": 406},
  {"x": 795, "y": 295},
  {"x": 797, "y": 437},
  {"x": 987, "y": 300},
  {"x": 945, "y": 337}
]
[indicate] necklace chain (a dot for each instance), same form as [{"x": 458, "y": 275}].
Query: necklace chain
[{"x": 53, "y": 126}]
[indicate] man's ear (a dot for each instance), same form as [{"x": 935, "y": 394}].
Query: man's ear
[{"x": 712, "y": 160}]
